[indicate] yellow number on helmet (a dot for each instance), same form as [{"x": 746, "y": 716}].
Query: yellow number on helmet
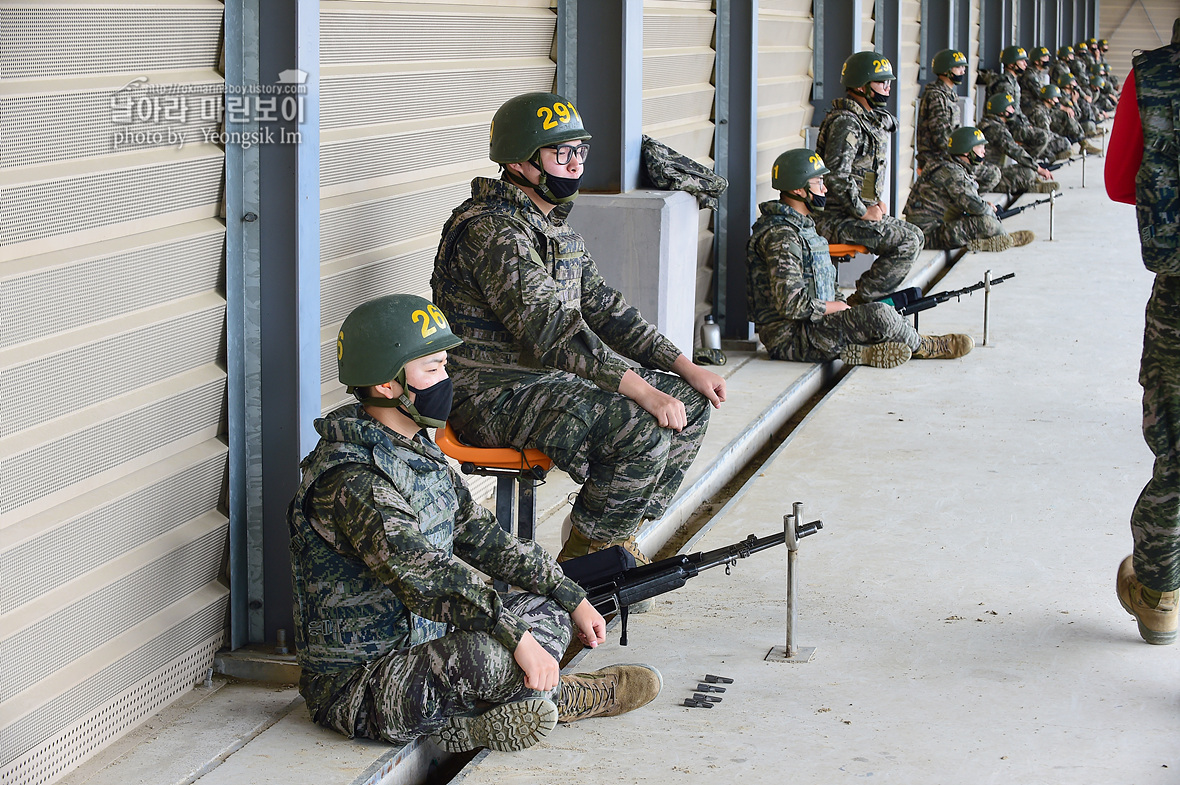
[
  {"x": 340, "y": 346},
  {"x": 547, "y": 114},
  {"x": 427, "y": 330},
  {"x": 563, "y": 114},
  {"x": 437, "y": 315}
]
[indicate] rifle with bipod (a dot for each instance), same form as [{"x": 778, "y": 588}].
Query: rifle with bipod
[
  {"x": 912, "y": 301},
  {"x": 1011, "y": 211}
]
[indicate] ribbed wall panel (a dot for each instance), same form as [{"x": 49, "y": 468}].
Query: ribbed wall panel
[
  {"x": 114, "y": 365},
  {"x": 110, "y": 527},
  {"x": 907, "y": 89},
  {"x": 76, "y": 723},
  {"x": 396, "y": 156},
  {"x": 339, "y": 290},
  {"x": 368, "y": 98},
  {"x": 112, "y": 380},
  {"x": 52, "y": 208},
  {"x": 675, "y": 68},
  {"x": 393, "y": 218},
  {"x": 32, "y": 474},
  {"x": 785, "y": 33},
  {"x": 41, "y": 41},
  {"x": 96, "y": 284},
  {"x": 31, "y": 654}
]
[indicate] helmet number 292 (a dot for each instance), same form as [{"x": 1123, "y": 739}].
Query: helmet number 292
[
  {"x": 434, "y": 315},
  {"x": 563, "y": 112}
]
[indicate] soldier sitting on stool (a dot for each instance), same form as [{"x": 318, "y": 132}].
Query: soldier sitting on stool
[
  {"x": 791, "y": 285},
  {"x": 382, "y": 533}
]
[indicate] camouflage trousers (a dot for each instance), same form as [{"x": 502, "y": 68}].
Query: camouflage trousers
[
  {"x": 896, "y": 243},
  {"x": 987, "y": 175},
  {"x": 1057, "y": 144},
  {"x": 1015, "y": 179},
  {"x": 813, "y": 342},
  {"x": 945, "y": 235},
  {"x": 1155, "y": 521},
  {"x": 1068, "y": 127},
  {"x": 411, "y": 692},
  {"x": 629, "y": 467},
  {"x": 1033, "y": 139}
]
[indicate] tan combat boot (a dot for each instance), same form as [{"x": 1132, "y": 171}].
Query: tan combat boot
[
  {"x": 1043, "y": 186},
  {"x": 1022, "y": 237},
  {"x": 879, "y": 355},
  {"x": 578, "y": 544},
  {"x": 1064, "y": 155},
  {"x": 508, "y": 727},
  {"x": 944, "y": 347},
  {"x": 1000, "y": 242},
  {"x": 1157, "y": 619},
  {"x": 1090, "y": 147},
  {"x": 607, "y": 693}
]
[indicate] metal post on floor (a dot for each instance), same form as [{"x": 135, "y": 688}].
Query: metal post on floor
[
  {"x": 1052, "y": 203},
  {"x": 793, "y": 530},
  {"x": 987, "y": 294},
  {"x": 1084, "y": 156}
]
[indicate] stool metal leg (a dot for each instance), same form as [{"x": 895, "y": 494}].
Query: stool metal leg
[
  {"x": 526, "y": 508},
  {"x": 505, "y": 511}
]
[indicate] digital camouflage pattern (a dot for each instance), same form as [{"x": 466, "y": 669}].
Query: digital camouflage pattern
[
  {"x": 852, "y": 142},
  {"x": 938, "y": 117},
  {"x": 382, "y": 533},
  {"x": 544, "y": 345},
  {"x": 668, "y": 170},
  {"x": 945, "y": 203},
  {"x": 789, "y": 278},
  {"x": 1155, "y": 521},
  {"x": 1031, "y": 82},
  {"x": 1006, "y": 82},
  {"x": 1017, "y": 176},
  {"x": 1051, "y": 119}
]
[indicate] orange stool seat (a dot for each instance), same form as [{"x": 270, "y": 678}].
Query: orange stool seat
[
  {"x": 489, "y": 457},
  {"x": 517, "y": 474},
  {"x": 842, "y": 253}
]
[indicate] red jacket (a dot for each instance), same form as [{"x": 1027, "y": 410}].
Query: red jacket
[{"x": 1124, "y": 153}]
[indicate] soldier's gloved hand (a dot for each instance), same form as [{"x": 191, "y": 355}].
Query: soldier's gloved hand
[
  {"x": 589, "y": 623},
  {"x": 541, "y": 671}
]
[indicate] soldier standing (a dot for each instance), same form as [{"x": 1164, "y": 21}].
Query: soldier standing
[
  {"x": 397, "y": 636},
  {"x": 1141, "y": 168},
  {"x": 945, "y": 201},
  {"x": 853, "y": 139},
  {"x": 1024, "y": 173},
  {"x": 546, "y": 340},
  {"x": 791, "y": 285}
]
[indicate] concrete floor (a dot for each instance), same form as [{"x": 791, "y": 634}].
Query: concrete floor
[{"x": 961, "y": 595}]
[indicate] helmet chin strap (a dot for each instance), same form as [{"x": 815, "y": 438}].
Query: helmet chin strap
[
  {"x": 542, "y": 184},
  {"x": 402, "y": 403}
]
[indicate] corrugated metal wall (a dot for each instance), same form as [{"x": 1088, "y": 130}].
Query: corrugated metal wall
[
  {"x": 907, "y": 90},
  {"x": 868, "y": 25},
  {"x": 785, "y": 36},
  {"x": 1135, "y": 24},
  {"x": 678, "y": 57},
  {"x": 112, "y": 451}
]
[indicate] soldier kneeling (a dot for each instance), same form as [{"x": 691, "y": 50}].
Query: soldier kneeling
[
  {"x": 945, "y": 201},
  {"x": 791, "y": 284},
  {"x": 397, "y": 636}
]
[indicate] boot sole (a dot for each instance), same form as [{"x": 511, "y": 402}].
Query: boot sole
[
  {"x": 881, "y": 355},
  {"x": 1151, "y": 636},
  {"x": 509, "y": 727}
]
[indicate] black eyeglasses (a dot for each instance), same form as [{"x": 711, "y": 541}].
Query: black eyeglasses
[{"x": 564, "y": 152}]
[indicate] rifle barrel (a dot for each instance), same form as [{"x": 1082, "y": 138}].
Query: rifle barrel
[{"x": 738, "y": 550}]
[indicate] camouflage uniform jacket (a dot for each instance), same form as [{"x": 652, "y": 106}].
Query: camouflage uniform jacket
[
  {"x": 1007, "y": 83},
  {"x": 1031, "y": 82},
  {"x": 789, "y": 273},
  {"x": 380, "y": 529},
  {"x": 1059, "y": 69},
  {"x": 938, "y": 117},
  {"x": 1000, "y": 143},
  {"x": 852, "y": 142},
  {"x": 1157, "y": 185},
  {"x": 520, "y": 290},
  {"x": 1040, "y": 114},
  {"x": 945, "y": 191}
]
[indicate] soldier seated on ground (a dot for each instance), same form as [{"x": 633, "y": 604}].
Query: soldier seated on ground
[
  {"x": 853, "y": 139},
  {"x": 1024, "y": 173},
  {"x": 1069, "y": 113},
  {"x": 1014, "y": 62},
  {"x": 384, "y": 536},
  {"x": 544, "y": 362},
  {"x": 1046, "y": 114},
  {"x": 791, "y": 285},
  {"x": 945, "y": 201}
]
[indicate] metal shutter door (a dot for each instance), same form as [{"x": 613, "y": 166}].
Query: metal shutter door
[
  {"x": 112, "y": 451},
  {"x": 784, "y": 83},
  {"x": 678, "y": 92}
]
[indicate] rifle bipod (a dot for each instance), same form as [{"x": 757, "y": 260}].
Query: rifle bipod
[{"x": 793, "y": 529}]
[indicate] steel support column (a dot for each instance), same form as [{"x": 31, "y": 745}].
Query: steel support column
[
  {"x": 735, "y": 151},
  {"x": 888, "y": 37},
  {"x": 289, "y": 314},
  {"x": 609, "y": 87}
]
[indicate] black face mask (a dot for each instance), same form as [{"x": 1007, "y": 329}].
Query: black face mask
[
  {"x": 956, "y": 78},
  {"x": 816, "y": 202},
  {"x": 563, "y": 188},
  {"x": 875, "y": 99},
  {"x": 432, "y": 405},
  {"x": 977, "y": 157}
]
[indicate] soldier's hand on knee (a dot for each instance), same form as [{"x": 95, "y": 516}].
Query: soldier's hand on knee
[
  {"x": 541, "y": 671},
  {"x": 590, "y": 624},
  {"x": 873, "y": 213},
  {"x": 667, "y": 409},
  {"x": 701, "y": 379}
]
